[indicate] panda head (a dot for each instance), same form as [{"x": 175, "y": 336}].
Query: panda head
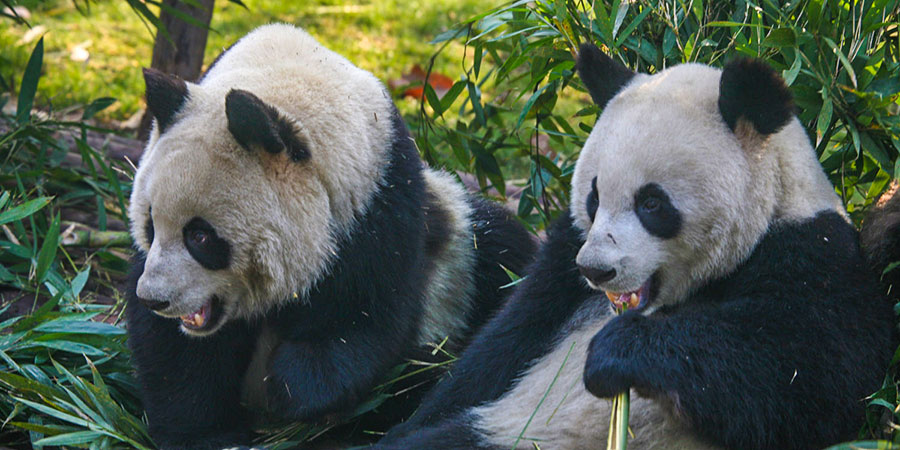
[
  {"x": 251, "y": 177},
  {"x": 683, "y": 172}
]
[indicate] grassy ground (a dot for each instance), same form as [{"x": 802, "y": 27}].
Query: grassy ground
[{"x": 385, "y": 37}]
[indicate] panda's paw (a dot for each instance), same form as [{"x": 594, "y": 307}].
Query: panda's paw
[
  {"x": 611, "y": 366},
  {"x": 304, "y": 400},
  {"x": 607, "y": 377}
]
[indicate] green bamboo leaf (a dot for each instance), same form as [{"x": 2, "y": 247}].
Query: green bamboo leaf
[
  {"x": 61, "y": 415},
  {"x": 864, "y": 445},
  {"x": 451, "y": 95},
  {"x": 79, "y": 327},
  {"x": 96, "y": 106},
  {"x": 780, "y": 37},
  {"x": 475, "y": 98},
  {"x": 23, "y": 385},
  {"x": 626, "y": 33},
  {"x": 24, "y": 210},
  {"x": 824, "y": 120},
  {"x": 843, "y": 59},
  {"x": 433, "y": 99},
  {"x": 791, "y": 74},
  {"x": 67, "y": 346},
  {"x": 77, "y": 437},
  {"x": 450, "y": 34},
  {"x": 29, "y": 83},
  {"x": 47, "y": 253},
  {"x": 530, "y": 103},
  {"x": 621, "y": 12},
  {"x": 476, "y": 64},
  {"x": 50, "y": 429}
]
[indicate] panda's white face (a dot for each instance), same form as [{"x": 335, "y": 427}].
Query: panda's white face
[
  {"x": 669, "y": 197},
  {"x": 232, "y": 224}
]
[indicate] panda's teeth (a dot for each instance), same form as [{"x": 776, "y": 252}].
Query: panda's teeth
[
  {"x": 634, "y": 301},
  {"x": 626, "y": 300}
]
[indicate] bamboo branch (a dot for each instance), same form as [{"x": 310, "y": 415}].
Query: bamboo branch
[{"x": 95, "y": 239}]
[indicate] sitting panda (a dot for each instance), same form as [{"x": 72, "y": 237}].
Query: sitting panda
[
  {"x": 757, "y": 323},
  {"x": 293, "y": 248}
]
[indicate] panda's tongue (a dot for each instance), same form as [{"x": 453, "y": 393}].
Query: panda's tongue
[
  {"x": 196, "y": 319},
  {"x": 626, "y": 300}
]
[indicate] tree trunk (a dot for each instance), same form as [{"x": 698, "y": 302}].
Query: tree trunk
[{"x": 181, "y": 52}]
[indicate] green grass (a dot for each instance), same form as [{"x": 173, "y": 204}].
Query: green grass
[{"x": 385, "y": 37}]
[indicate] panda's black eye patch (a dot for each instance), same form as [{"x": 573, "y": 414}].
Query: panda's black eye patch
[
  {"x": 148, "y": 227},
  {"x": 205, "y": 246},
  {"x": 656, "y": 212},
  {"x": 593, "y": 200}
]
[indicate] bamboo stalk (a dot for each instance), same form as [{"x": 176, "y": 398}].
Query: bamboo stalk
[
  {"x": 618, "y": 430},
  {"x": 618, "y": 419},
  {"x": 95, "y": 239}
]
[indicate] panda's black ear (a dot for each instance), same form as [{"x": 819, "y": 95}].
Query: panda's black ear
[
  {"x": 602, "y": 76},
  {"x": 254, "y": 123},
  {"x": 751, "y": 90},
  {"x": 165, "y": 95}
]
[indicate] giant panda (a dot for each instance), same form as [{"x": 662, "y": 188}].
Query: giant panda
[
  {"x": 755, "y": 321},
  {"x": 293, "y": 248}
]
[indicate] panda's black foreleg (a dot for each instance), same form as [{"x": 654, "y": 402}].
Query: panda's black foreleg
[
  {"x": 744, "y": 374},
  {"x": 190, "y": 386},
  {"x": 521, "y": 332},
  {"x": 322, "y": 377}
]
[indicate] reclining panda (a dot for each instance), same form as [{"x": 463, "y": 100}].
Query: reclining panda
[
  {"x": 293, "y": 247},
  {"x": 698, "y": 195}
]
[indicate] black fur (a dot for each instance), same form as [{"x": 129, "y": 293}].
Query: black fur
[
  {"x": 726, "y": 359},
  {"x": 214, "y": 253},
  {"x": 437, "y": 225},
  {"x": 500, "y": 241},
  {"x": 880, "y": 238},
  {"x": 190, "y": 387},
  {"x": 456, "y": 433},
  {"x": 779, "y": 354},
  {"x": 252, "y": 122},
  {"x": 656, "y": 212},
  {"x": 360, "y": 320},
  {"x": 149, "y": 232},
  {"x": 752, "y": 90},
  {"x": 165, "y": 95},
  {"x": 523, "y": 331},
  {"x": 362, "y": 317},
  {"x": 593, "y": 200},
  {"x": 602, "y": 76}
]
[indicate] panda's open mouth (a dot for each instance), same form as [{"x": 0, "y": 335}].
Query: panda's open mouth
[
  {"x": 205, "y": 318},
  {"x": 639, "y": 298}
]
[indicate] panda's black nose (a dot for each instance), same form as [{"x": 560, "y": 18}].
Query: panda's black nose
[
  {"x": 597, "y": 275},
  {"x": 154, "y": 305}
]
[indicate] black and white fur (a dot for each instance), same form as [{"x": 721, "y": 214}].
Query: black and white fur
[
  {"x": 759, "y": 323},
  {"x": 283, "y": 214}
]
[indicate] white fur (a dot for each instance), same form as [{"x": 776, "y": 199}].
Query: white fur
[
  {"x": 729, "y": 187},
  {"x": 570, "y": 417},
  {"x": 281, "y": 218}
]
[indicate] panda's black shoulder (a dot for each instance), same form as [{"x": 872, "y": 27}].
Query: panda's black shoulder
[{"x": 796, "y": 259}]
